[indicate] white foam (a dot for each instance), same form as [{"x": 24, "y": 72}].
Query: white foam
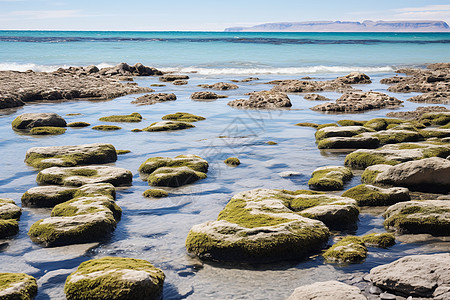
[
  {"x": 280, "y": 71},
  {"x": 39, "y": 68}
]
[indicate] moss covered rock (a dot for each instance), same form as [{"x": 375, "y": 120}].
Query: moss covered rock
[
  {"x": 115, "y": 278},
  {"x": 155, "y": 193},
  {"x": 168, "y": 126},
  {"x": 8, "y": 227},
  {"x": 354, "y": 142},
  {"x": 381, "y": 240},
  {"x": 381, "y": 123},
  {"x": 435, "y": 132},
  {"x": 17, "y": 286},
  {"x": 31, "y": 120},
  {"x": 329, "y": 178},
  {"x": 69, "y": 156},
  {"x": 9, "y": 209},
  {"x": 232, "y": 161},
  {"x": 166, "y": 171},
  {"x": 370, "y": 174},
  {"x": 436, "y": 118},
  {"x": 350, "y": 249},
  {"x": 393, "y": 136},
  {"x": 257, "y": 226},
  {"x": 78, "y": 124},
  {"x": 131, "y": 118},
  {"x": 183, "y": 117},
  {"x": 429, "y": 216},
  {"x": 371, "y": 195},
  {"x": 47, "y": 130},
  {"x": 78, "y": 176},
  {"x": 351, "y": 123},
  {"x": 106, "y": 127},
  {"x": 340, "y": 131}
]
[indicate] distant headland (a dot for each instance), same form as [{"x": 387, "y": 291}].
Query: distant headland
[{"x": 343, "y": 26}]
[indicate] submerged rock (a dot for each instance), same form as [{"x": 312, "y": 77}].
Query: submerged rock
[
  {"x": 428, "y": 216},
  {"x": 327, "y": 290},
  {"x": 371, "y": 195},
  {"x": 173, "y": 172},
  {"x": 329, "y": 178},
  {"x": 183, "y": 117},
  {"x": 47, "y": 130},
  {"x": 155, "y": 193},
  {"x": 154, "y": 98},
  {"x": 350, "y": 249},
  {"x": 257, "y": 226},
  {"x": 115, "y": 278},
  {"x": 78, "y": 176},
  {"x": 415, "y": 275},
  {"x": 232, "y": 161},
  {"x": 359, "y": 101},
  {"x": 168, "y": 126},
  {"x": 223, "y": 86},
  {"x": 69, "y": 156},
  {"x": 31, "y": 120},
  {"x": 17, "y": 286},
  {"x": 263, "y": 99},
  {"x": 315, "y": 97}
]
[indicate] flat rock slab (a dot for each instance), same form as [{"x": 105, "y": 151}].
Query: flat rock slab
[
  {"x": 328, "y": 290},
  {"x": 9, "y": 209},
  {"x": 70, "y": 156},
  {"x": 168, "y": 126},
  {"x": 206, "y": 96},
  {"x": 109, "y": 276},
  {"x": 263, "y": 99},
  {"x": 154, "y": 98},
  {"x": 329, "y": 178},
  {"x": 370, "y": 195},
  {"x": 78, "y": 176},
  {"x": 31, "y": 120},
  {"x": 223, "y": 86},
  {"x": 428, "y": 216},
  {"x": 340, "y": 131},
  {"x": 416, "y": 275},
  {"x": 17, "y": 286}
]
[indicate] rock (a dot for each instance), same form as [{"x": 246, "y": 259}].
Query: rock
[
  {"x": 223, "y": 86},
  {"x": 183, "y": 117},
  {"x": 69, "y": 156},
  {"x": 381, "y": 240},
  {"x": 50, "y": 195},
  {"x": 315, "y": 97},
  {"x": 78, "y": 124},
  {"x": 382, "y": 123},
  {"x": 206, "y": 96},
  {"x": 329, "y": 178},
  {"x": 416, "y": 114},
  {"x": 133, "y": 118},
  {"x": 172, "y": 77},
  {"x": 393, "y": 136},
  {"x": 155, "y": 193},
  {"x": 179, "y": 82},
  {"x": 371, "y": 195},
  {"x": 350, "y": 249},
  {"x": 181, "y": 170},
  {"x": 31, "y": 120},
  {"x": 17, "y": 286},
  {"x": 359, "y": 101},
  {"x": 115, "y": 278},
  {"x": 342, "y": 131},
  {"x": 309, "y": 86},
  {"x": 436, "y": 118},
  {"x": 435, "y": 132},
  {"x": 47, "y": 130},
  {"x": 154, "y": 98},
  {"x": 432, "y": 97},
  {"x": 375, "y": 290},
  {"x": 263, "y": 99},
  {"x": 232, "y": 161},
  {"x": 427, "y": 216},
  {"x": 168, "y": 125},
  {"x": 257, "y": 226},
  {"x": 8, "y": 228},
  {"x": 355, "y": 142},
  {"x": 106, "y": 127},
  {"x": 9, "y": 209},
  {"x": 123, "y": 69},
  {"x": 415, "y": 275},
  {"x": 78, "y": 176},
  {"x": 425, "y": 174},
  {"x": 18, "y": 88},
  {"x": 393, "y": 154},
  {"x": 355, "y": 78},
  {"x": 85, "y": 218},
  {"x": 328, "y": 290},
  {"x": 387, "y": 296}
]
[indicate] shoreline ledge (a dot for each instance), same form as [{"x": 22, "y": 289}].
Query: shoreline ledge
[{"x": 18, "y": 88}]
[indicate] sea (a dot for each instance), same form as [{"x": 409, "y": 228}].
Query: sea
[{"x": 156, "y": 230}]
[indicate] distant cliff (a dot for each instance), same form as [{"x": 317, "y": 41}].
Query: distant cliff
[{"x": 340, "y": 26}]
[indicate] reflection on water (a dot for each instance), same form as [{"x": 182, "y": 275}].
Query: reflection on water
[{"x": 156, "y": 229}]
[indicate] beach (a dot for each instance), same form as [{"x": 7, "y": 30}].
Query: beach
[{"x": 264, "y": 137}]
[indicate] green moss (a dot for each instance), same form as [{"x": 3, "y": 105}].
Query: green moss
[
  {"x": 351, "y": 123},
  {"x": 369, "y": 176},
  {"x": 445, "y": 126},
  {"x": 326, "y": 125},
  {"x": 394, "y": 137},
  {"x": 46, "y": 200},
  {"x": 382, "y": 240},
  {"x": 110, "y": 284},
  {"x": 28, "y": 284},
  {"x": 47, "y": 130},
  {"x": 120, "y": 152},
  {"x": 106, "y": 127},
  {"x": 174, "y": 176},
  {"x": 74, "y": 114},
  {"x": 443, "y": 152},
  {"x": 67, "y": 209},
  {"x": 136, "y": 130},
  {"x": 183, "y": 117},
  {"x": 155, "y": 193},
  {"x": 436, "y": 118},
  {"x": 410, "y": 146},
  {"x": 321, "y": 134},
  {"x": 78, "y": 124},
  {"x": 157, "y": 85},
  {"x": 350, "y": 249},
  {"x": 132, "y": 118},
  {"x": 299, "y": 204},
  {"x": 382, "y": 123},
  {"x": 168, "y": 125},
  {"x": 8, "y": 228},
  {"x": 330, "y": 179},
  {"x": 301, "y": 192},
  {"x": 232, "y": 161},
  {"x": 331, "y": 143},
  {"x": 9, "y": 214},
  {"x": 370, "y": 197},
  {"x": 194, "y": 162},
  {"x": 16, "y": 122},
  {"x": 307, "y": 124},
  {"x": 437, "y": 133},
  {"x": 362, "y": 160},
  {"x": 83, "y": 172},
  {"x": 271, "y": 143}
]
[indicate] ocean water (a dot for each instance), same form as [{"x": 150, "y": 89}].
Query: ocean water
[{"x": 155, "y": 230}]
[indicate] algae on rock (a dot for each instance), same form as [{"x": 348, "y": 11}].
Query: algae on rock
[
  {"x": 132, "y": 118},
  {"x": 17, "y": 286},
  {"x": 375, "y": 196},
  {"x": 329, "y": 178},
  {"x": 350, "y": 249}
]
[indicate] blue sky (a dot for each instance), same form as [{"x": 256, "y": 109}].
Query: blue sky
[{"x": 204, "y": 15}]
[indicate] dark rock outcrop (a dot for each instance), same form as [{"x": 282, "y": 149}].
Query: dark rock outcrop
[
  {"x": 263, "y": 99},
  {"x": 154, "y": 98}
]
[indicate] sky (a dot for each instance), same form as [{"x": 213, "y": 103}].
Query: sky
[{"x": 204, "y": 15}]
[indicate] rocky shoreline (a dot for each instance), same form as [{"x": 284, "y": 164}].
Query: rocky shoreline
[{"x": 393, "y": 158}]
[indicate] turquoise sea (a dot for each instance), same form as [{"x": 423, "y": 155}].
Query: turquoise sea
[{"x": 156, "y": 229}]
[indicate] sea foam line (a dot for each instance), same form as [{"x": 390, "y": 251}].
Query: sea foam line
[{"x": 12, "y": 66}]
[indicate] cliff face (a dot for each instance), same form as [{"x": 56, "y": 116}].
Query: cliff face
[{"x": 339, "y": 26}]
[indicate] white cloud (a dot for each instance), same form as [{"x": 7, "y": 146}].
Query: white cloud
[
  {"x": 425, "y": 8},
  {"x": 45, "y": 14},
  {"x": 434, "y": 12}
]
